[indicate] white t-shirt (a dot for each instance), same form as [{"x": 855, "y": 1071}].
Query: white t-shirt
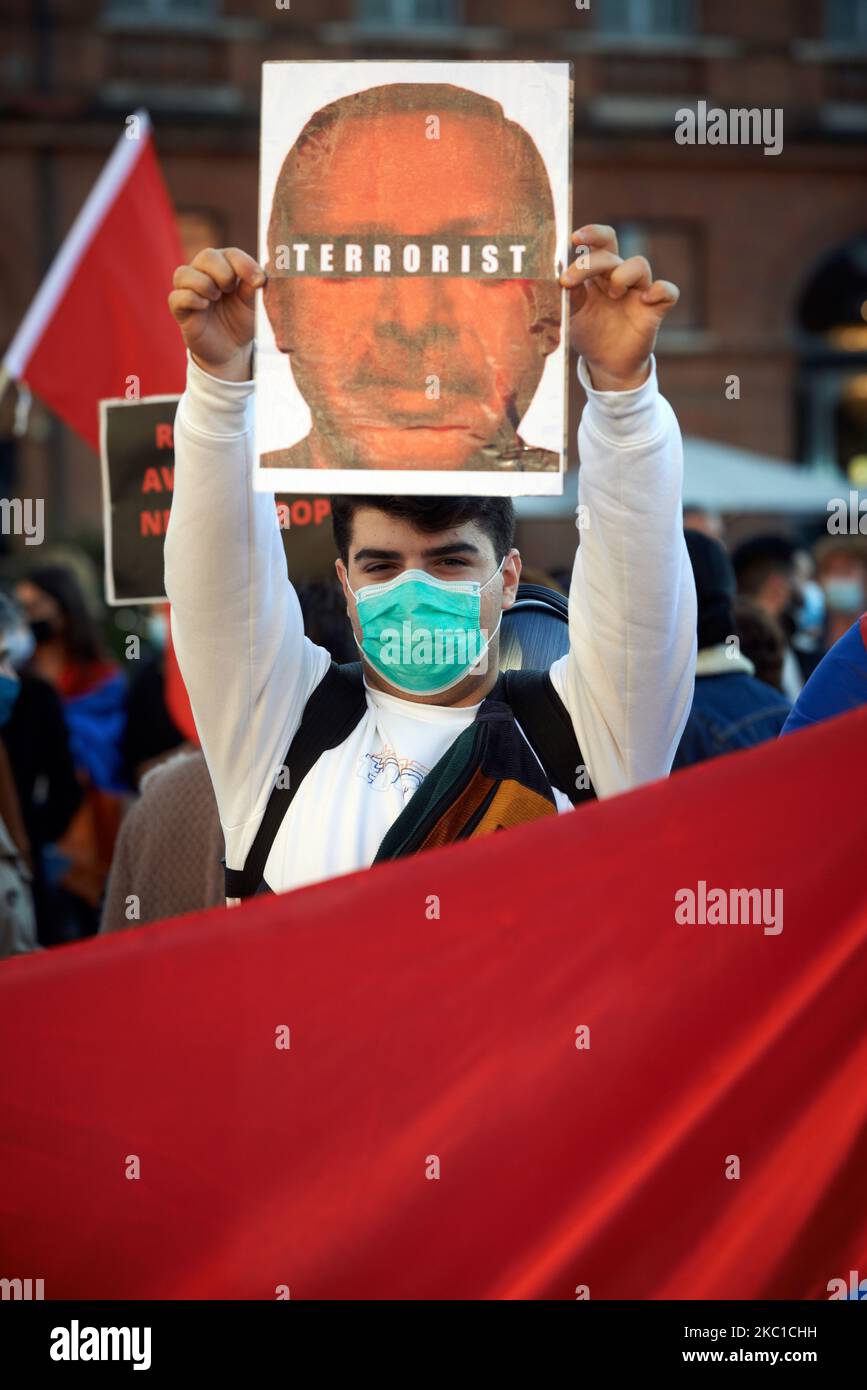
[
  {"x": 371, "y": 776},
  {"x": 249, "y": 669}
]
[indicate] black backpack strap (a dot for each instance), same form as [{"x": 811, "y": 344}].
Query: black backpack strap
[
  {"x": 545, "y": 721},
  {"x": 330, "y": 715}
]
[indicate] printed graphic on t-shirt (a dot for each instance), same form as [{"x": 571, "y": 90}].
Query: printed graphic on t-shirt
[{"x": 385, "y": 769}]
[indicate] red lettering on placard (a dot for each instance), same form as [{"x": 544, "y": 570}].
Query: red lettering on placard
[
  {"x": 165, "y": 437},
  {"x": 302, "y": 512},
  {"x": 160, "y": 479},
  {"x": 154, "y": 523}
]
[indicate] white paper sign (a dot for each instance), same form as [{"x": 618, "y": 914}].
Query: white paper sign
[{"x": 414, "y": 220}]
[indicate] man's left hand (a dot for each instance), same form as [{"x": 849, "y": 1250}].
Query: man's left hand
[{"x": 616, "y": 309}]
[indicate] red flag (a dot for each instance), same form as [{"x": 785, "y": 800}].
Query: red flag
[
  {"x": 100, "y": 315},
  {"x": 373, "y": 1087}
]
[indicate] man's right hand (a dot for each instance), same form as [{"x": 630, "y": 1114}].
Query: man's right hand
[{"x": 213, "y": 301}]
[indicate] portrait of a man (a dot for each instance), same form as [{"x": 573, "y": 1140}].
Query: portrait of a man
[{"x": 413, "y": 284}]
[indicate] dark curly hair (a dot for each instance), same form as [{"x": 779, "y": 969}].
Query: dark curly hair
[{"x": 494, "y": 516}]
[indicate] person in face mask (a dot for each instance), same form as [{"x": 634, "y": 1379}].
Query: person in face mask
[
  {"x": 69, "y": 653},
  {"x": 422, "y": 634},
  {"x": 10, "y": 687},
  {"x": 34, "y": 736},
  {"x": 321, "y": 769},
  {"x": 17, "y": 914},
  {"x": 841, "y": 563},
  {"x": 70, "y": 656}
]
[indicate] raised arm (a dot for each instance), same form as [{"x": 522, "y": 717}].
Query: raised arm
[
  {"x": 236, "y": 622},
  {"x": 628, "y": 678}
]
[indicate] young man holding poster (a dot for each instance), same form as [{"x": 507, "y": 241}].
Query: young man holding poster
[{"x": 321, "y": 770}]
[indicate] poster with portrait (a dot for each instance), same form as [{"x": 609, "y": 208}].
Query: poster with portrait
[{"x": 414, "y": 218}]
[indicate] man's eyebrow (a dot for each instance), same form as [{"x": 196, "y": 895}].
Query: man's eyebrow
[
  {"x": 455, "y": 548},
  {"x": 369, "y": 554},
  {"x": 432, "y": 553}
]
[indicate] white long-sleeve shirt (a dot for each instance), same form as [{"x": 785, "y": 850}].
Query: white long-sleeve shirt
[{"x": 627, "y": 680}]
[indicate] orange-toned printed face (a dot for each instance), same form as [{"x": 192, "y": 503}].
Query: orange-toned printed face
[{"x": 412, "y": 283}]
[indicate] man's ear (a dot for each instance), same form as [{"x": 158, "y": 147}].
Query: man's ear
[
  {"x": 511, "y": 577},
  {"x": 351, "y": 612},
  {"x": 343, "y": 578}
]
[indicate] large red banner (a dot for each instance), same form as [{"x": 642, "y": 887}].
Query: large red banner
[{"x": 382, "y": 1086}]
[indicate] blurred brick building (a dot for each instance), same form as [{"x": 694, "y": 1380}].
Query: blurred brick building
[{"x": 770, "y": 251}]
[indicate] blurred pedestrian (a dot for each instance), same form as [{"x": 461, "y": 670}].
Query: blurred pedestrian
[
  {"x": 841, "y": 568},
  {"x": 17, "y": 915},
  {"x": 766, "y": 570},
  {"x": 151, "y": 731},
  {"x": 763, "y": 641},
  {"x": 49, "y": 792},
  {"x": 838, "y": 684},
  {"x": 69, "y": 654},
  {"x": 731, "y": 708},
  {"x": 701, "y": 519},
  {"x": 169, "y": 851}
]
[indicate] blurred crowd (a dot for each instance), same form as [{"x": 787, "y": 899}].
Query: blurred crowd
[{"x": 107, "y": 816}]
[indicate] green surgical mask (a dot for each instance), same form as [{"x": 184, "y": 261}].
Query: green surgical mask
[{"x": 422, "y": 634}]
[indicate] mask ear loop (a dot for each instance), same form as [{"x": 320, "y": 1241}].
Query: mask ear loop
[
  {"x": 493, "y": 576},
  {"x": 489, "y": 640}
]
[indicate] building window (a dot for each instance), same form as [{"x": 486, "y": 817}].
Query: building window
[
  {"x": 161, "y": 11},
  {"x": 846, "y": 21},
  {"x": 646, "y": 18},
  {"x": 832, "y": 318},
  {"x": 406, "y": 13}
]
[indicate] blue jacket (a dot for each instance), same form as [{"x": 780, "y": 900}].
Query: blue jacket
[
  {"x": 731, "y": 709},
  {"x": 96, "y": 722},
  {"x": 838, "y": 683}
]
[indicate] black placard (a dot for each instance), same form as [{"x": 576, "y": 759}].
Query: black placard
[{"x": 138, "y": 465}]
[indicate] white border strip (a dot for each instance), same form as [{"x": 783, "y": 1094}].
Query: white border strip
[
  {"x": 104, "y": 192},
  {"x": 442, "y": 482}
]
